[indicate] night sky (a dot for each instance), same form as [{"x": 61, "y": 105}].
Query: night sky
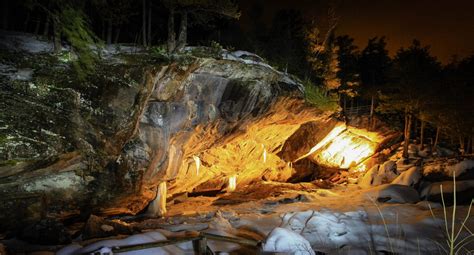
[{"x": 448, "y": 26}]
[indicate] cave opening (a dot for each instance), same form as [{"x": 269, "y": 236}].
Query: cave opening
[{"x": 258, "y": 162}]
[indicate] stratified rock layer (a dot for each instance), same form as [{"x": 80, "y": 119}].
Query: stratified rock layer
[{"x": 72, "y": 148}]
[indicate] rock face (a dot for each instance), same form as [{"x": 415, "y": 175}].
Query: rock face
[
  {"x": 71, "y": 148},
  {"x": 101, "y": 146}
]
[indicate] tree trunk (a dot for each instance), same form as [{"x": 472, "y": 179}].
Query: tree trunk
[
  {"x": 468, "y": 147},
  {"x": 56, "y": 37},
  {"x": 407, "y": 135},
  {"x": 461, "y": 145},
  {"x": 46, "y": 26},
  {"x": 117, "y": 34},
  {"x": 436, "y": 138},
  {"x": 144, "y": 22},
  {"x": 171, "y": 33},
  {"x": 422, "y": 135},
  {"x": 183, "y": 32},
  {"x": 109, "y": 32},
  {"x": 415, "y": 127},
  {"x": 149, "y": 23}
]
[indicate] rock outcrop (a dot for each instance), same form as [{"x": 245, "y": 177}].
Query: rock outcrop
[{"x": 71, "y": 148}]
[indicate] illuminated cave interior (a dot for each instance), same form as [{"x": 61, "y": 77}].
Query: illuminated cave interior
[{"x": 259, "y": 154}]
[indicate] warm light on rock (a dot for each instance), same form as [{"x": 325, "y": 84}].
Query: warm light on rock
[
  {"x": 344, "y": 147},
  {"x": 158, "y": 206},
  {"x": 264, "y": 154},
  {"x": 197, "y": 161},
  {"x": 232, "y": 183}
]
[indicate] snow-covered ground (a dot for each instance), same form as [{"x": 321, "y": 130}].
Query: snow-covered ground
[{"x": 296, "y": 220}]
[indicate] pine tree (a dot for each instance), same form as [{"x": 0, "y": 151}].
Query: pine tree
[
  {"x": 414, "y": 72},
  {"x": 348, "y": 67}
]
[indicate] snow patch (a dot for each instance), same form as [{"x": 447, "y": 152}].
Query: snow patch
[
  {"x": 393, "y": 193},
  {"x": 285, "y": 240},
  {"x": 24, "y": 42},
  {"x": 448, "y": 187},
  {"x": 409, "y": 178},
  {"x": 105, "y": 246},
  {"x": 379, "y": 174}
]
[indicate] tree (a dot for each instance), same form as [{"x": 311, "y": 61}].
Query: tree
[
  {"x": 113, "y": 13},
  {"x": 374, "y": 65},
  {"x": 70, "y": 22},
  {"x": 322, "y": 53},
  {"x": 451, "y": 107},
  {"x": 184, "y": 7},
  {"x": 413, "y": 72},
  {"x": 348, "y": 67},
  {"x": 286, "y": 42}
]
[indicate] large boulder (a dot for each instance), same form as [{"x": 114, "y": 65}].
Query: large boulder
[
  {"x": 439, "y": 191},
  {"x": 71, "y": 148},
  {"x": 444, "y": 169},
  {"x": 410, "y": 177},
  {"x": 392, "y": 193},
  {"x": 379, "y": 174}
]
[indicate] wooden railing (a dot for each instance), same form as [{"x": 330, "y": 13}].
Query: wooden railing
[{"x": 199, "y": 244}]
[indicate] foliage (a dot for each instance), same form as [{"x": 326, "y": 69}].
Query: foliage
[
  {"x": 374, "y": 66},
  {"x": 286, "y": 44},
  {"x": 77, "y": 32},
  {"x": 216, "y": 45},
  {"x": 159, "y": 50},
  {"x": 413, "y": 72},
  {"x": 323, "y": 57},
  {"x": 348, "y": 73},
  {"x": 319, "y": 98}
]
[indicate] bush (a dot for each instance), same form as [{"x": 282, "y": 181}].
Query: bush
[{"x": 319, "y": 98}]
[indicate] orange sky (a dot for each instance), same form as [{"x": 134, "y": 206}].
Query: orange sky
[{"x": 446, "y": 25}]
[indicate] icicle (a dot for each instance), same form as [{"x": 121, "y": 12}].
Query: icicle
[
  {"x": 232, "y": 183},
  {"x": 158, "y": 206},
  {"x": 264, "y": 154},
  {"x": 197, "y": 161}
]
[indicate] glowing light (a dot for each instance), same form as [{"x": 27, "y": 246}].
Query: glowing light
[
  {"x": 197, "y": 162},
  {"x": 360, "y": 168},
  {"x": 232, "y": 183},
  {"x": 334, "y": 133},
  {"x": 344, "y": 147},
  {"x": 346, "y": 150}
]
